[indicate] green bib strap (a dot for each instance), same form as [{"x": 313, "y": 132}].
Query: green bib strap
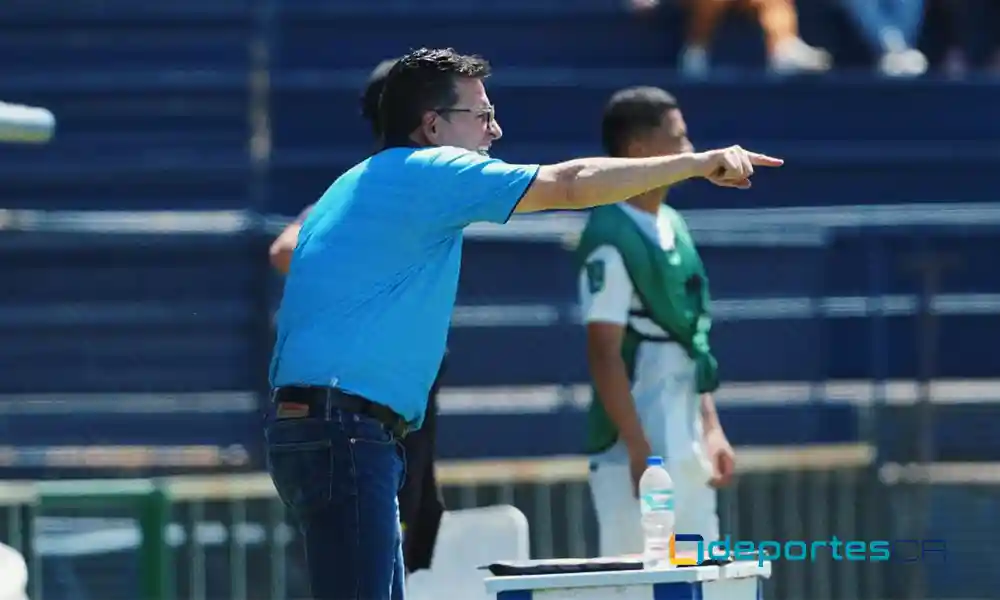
[{"x": 673, "y": 288}]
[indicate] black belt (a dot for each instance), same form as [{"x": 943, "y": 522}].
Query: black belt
[{"x": 317, "y": 398}]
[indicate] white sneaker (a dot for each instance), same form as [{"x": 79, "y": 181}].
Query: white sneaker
[
  {"x": 796, "y": 56},
  {"x": 903, "y": 63}
]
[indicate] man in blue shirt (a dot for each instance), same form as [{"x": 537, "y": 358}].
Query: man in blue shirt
[
  {"x": 420, "y": 506},
  {"x": 370, "y": 292}
]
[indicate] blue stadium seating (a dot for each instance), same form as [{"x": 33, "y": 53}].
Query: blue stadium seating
[
  {"x": 846, "y": 142},
  {"x": 148, "y": 95},
  {"x": 152, "y": 103},
  {"x": 865, "y": 140},
  {"x": 129, "y": 313}
]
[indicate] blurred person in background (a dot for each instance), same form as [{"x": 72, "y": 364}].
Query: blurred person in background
[
  {"x": 890, "y": 28},
  {"x": 652, "y": 368},
  {"x": 787, "y": 52},
  {"x": 973, "y": 35},
  {"x": 420, "y": 505}
]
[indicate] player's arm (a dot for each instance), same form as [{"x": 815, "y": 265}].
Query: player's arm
[
  {"x": 588, "y": 182},
  {"x": 709, "y": 415},
  {"x": 284, "y": 245},
  {"x": 606, "y": 293},
  {"x": 720, "y": 451}
]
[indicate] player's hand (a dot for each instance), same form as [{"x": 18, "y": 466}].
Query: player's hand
[
  {"x": 721, "y": 456},
  {"x": 732, "y": 166}
]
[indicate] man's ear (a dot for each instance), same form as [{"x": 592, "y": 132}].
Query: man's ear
[{"x": 429, "y": 125}]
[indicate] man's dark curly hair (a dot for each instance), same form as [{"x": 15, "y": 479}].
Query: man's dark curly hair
[
  {"x": 423, "y": 80},
  {"x": 372, "y": 93}
]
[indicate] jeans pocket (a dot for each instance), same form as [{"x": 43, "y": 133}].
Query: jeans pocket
[
  {"x": 376, "y": 451},
  {"x": 300, "y": 461},
  {"x": 366, "y": 430}
]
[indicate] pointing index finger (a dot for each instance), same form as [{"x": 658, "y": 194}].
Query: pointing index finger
[{"x": 763, "y": 160}]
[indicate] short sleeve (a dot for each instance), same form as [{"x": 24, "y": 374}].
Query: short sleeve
[
  {"x": 476, "y": 188},
  {"x": 605, "y": 287}
]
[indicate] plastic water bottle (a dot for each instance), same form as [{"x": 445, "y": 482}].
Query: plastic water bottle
[{"x": 656, "y": 495}]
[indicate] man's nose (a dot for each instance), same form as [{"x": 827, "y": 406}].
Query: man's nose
[{"x": 495, "y": 131}]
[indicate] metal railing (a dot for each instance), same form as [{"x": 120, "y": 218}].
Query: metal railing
[{"x": 211, "y": 537}]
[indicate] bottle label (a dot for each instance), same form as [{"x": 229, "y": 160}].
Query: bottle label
[{"x": 658, "y": 500}]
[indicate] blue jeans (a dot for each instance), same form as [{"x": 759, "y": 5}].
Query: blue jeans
[
  {"x": 874, "y": 17},
  {"x": 339, "y": 476}
]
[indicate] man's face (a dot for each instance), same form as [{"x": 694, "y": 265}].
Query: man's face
[
  {"x": 470, "y": 123},
  {"x": 669, "y": 137}
]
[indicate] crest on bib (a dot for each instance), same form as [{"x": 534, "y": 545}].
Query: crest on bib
[{"x": 595, "y": 276}]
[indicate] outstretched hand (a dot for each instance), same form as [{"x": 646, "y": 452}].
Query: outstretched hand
[{"x": 732, "y": 166}]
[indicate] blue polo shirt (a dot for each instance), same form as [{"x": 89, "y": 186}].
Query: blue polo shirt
[{"x": 371, "y": 289}]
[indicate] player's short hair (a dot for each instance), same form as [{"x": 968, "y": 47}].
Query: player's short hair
[
  {"x": 372, "y": 93},
  {"x": 423, "y": 80},
  {"x": 632, "y": 112}
]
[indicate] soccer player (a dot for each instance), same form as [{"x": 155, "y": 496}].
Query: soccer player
[{"x": 645, "y": 296}]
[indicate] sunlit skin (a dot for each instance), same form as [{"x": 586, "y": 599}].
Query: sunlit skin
[{"x": 469, "y": 123}]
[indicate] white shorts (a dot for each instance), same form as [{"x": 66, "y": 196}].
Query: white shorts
[{"x": 617, "y": 509}]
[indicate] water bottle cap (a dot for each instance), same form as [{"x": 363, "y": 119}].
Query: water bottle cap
[{"x": 654, "y": 461}]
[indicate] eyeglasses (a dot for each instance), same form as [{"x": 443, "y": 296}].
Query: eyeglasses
[{"x": 486, "y": 115}]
